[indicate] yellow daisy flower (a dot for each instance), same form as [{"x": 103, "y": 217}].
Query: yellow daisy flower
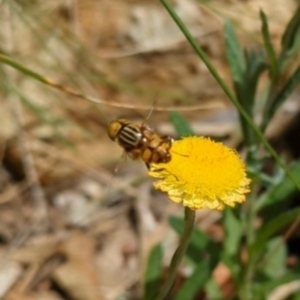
[{"x": 202, "y": 174}]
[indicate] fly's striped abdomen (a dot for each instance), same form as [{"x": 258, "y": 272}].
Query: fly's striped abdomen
[{"x": 129, "y": 136}]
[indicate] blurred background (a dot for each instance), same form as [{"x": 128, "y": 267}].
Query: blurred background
[{"x": 77, "y": 221}]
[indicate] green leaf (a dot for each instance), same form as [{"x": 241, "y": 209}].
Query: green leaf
[
  {"x": 195, "y": 282},
  {"x": 290, "y": 35},
  {"x": 233, "y": 265},
  {"x": 276, "y": 254},
  {"x": 256, "y": 64},
  {"x": 234, "y": 53},
  {"x": 271, "y": 228},
  {"x": 269, "y": 46},
  {"x": 264, "y": 289},
  {"x": 246, "y": 91},
  {"x": 280, "y": 191},
  {"x": 153, "y": 272},
  {"x": 241, "y": 72},
  {"x": 286, "y": 90},
  {"x": 282, "y": 95},
  {"x": 233, "y": 232},
  {"x": 296, "y": 296},
  {"x": 180, "y": 123},
  {"x": 213, "y": 290}
]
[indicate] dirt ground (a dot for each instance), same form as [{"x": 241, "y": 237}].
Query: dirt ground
[{"x": 71, "y": 226}]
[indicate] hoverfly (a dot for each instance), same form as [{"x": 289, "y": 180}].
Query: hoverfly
[{"x": 139, "y": 141}]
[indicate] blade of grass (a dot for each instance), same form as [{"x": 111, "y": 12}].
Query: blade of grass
[
  {"x": 6, "y": 60},
  {"x": 21, "y": 68}
]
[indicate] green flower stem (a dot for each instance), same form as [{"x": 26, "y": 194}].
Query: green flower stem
[
  {"x": 227, "y": 90},
  {"x": 189, "y": 219}
]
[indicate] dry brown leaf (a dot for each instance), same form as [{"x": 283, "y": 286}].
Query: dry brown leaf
[{"x": 78, "y": 275}]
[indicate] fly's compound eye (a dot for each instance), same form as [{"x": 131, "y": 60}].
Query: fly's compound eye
[{"x": 113, "y": 130}]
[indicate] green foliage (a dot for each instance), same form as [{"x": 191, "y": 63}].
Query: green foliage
[
  {"x": 199, "y": 244},
  {"x": 274, "y": 68},
  {"x": 212, "y": 290},
  {"x": 278, "y": 192},
  {"x": 276, "y": 254},
  {"x": 266, "y": 286},
  {"x": 181, "y": 125},
  {"x": 280, "y": 86},
  {"x": 203, "y": 253},
  {"x": 270, "y": 228},
  {"x": 235, "y": 55},
  {"x": 255, "y": 277},
  {"x": 232, "y": 243},
  {"x": 153, "y": 272},
  {"x": 246, "y": 66},
  {"x": 290, "y": 39},
  {"x": 195, "y": 282}
]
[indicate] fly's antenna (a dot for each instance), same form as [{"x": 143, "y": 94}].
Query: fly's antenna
[{"x": 150, "y": 113}]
